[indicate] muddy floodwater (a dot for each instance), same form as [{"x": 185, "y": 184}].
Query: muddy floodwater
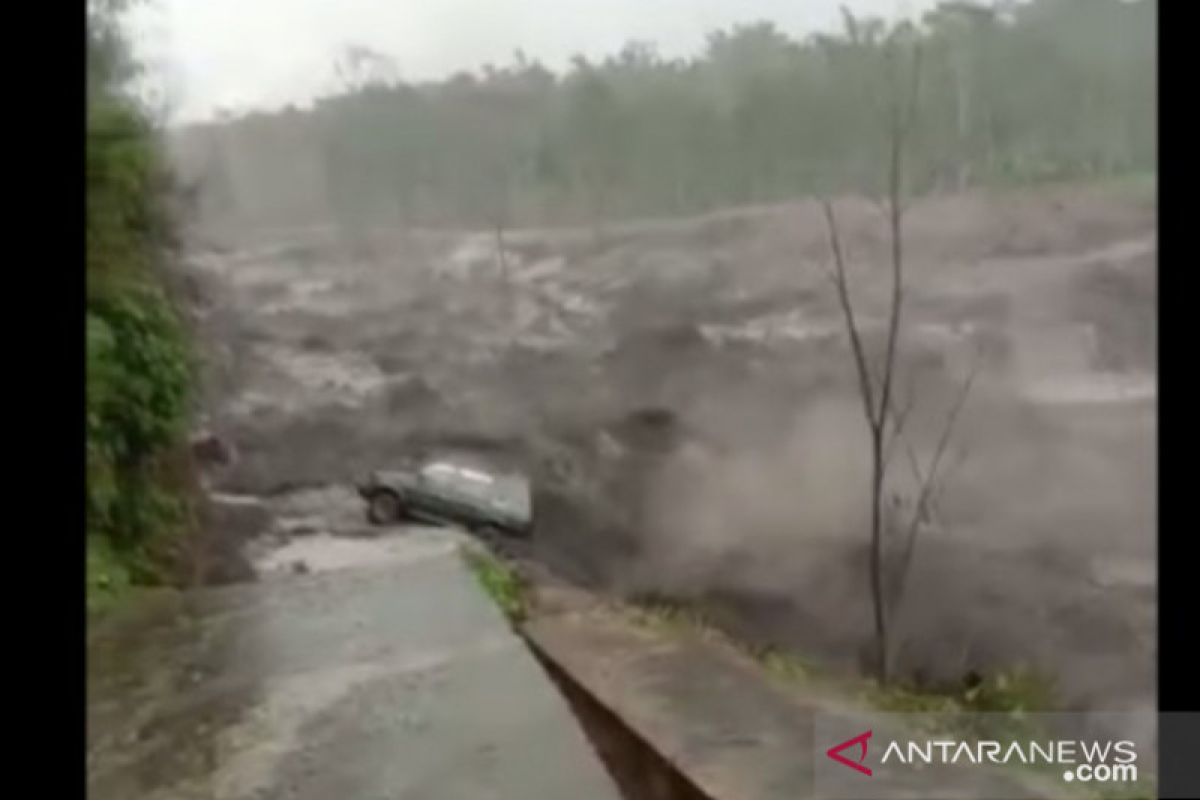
[{"x": 681, "y": 393}]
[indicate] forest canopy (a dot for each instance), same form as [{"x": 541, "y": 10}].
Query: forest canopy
[{"x": 1010, "y": 92}]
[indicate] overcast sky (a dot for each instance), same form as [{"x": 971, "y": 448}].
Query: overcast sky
[{"x": 205, "y": 54}]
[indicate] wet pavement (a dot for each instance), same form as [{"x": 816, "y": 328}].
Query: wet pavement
[{"x": 382, "y": 674}]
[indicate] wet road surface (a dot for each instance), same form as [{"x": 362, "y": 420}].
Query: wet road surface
[{"x": 395, "y": 678}]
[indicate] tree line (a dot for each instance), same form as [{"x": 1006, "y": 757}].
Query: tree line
[{"x": 1008, "y": 92}]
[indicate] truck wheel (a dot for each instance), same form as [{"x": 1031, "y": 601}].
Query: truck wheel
[{"x": 384, "y": 508}]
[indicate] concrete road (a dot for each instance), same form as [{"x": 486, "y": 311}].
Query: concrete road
[{"x": 394, "y": 679}]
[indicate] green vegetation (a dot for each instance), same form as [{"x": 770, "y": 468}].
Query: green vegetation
[
  {"x": 786, "y": 667},
  {"x": 1009, "y": 93},
  {"x": 138, "y": 369},
  {"x": 501, "y": 582},
  {"x": 994, "y": 705},
  {"x": 665, "y": 614}
]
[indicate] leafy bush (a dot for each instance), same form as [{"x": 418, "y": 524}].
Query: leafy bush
[
  {"x": 138, "y": 374},
  {"x": 138, "y": 389}
]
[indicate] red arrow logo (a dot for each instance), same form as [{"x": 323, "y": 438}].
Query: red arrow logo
[{"x": 835, "y": 752}]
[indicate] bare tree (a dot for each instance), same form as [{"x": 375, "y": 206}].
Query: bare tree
[{"x": 876, "y": 382}]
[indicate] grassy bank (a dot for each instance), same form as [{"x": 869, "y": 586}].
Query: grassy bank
[{"x": 500, "y": 582}]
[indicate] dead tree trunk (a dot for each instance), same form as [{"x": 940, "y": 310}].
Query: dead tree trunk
[
  {"x": 876, "y": 415},
  {"x": 876, "y": 385}
]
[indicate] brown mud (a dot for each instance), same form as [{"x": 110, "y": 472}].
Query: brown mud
[{"x": 682, "y": 393}]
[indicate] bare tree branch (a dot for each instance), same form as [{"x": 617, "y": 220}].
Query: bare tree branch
[
  {"x": 866, "y": 389},
  {"x": 895, "y": 191},
  {"x": 929, "y": 513},
  {"x": 898, "y": 417},
  {"x": 901, "y": 121},
  {"x": 875, "y": 417},
  {"x": 928, "y": 486},
  {"x": 829, "y": 274},
  {"x": 914, "y": 90}
]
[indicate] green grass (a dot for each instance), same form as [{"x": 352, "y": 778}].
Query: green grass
[
  {"x": 996, "y": 706},
  {"x": 674, "y": 617},
  {"x": 500, "y": 581},
  {"x": 787, "y": 667},
  {"x": 669, "y": 616}
]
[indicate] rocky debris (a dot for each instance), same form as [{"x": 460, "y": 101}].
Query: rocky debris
[
  {"x": 239, "y": 517},
  {"x": 227, "y": 568},
  {"x": 324, "y": 375},
  {"x": 650, "y": 429},
  {"x": 230, "y": 521},
  {"x": 405, "y": 392},
  {"x": 192, "y": 290},
  {"x": 210, "y": 450}
]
